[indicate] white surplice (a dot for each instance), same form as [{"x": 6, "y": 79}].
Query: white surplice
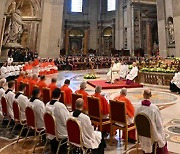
[
  {"x": 176, "y": 79},
  {"x": 132, "y": 74},
  {"x": 91, "y": 138},
  {"x": 2, "y": 91},
  {"x": 123, "y": 71},
  {"x": 61, "y": 115},
  {"x": 4, "y": 72},
  {"x": 158, "y": 134},
  {"x": 10, "y": 99},
  {"x": 23, "y": 102},
  {"x": 39, "y": 110}
]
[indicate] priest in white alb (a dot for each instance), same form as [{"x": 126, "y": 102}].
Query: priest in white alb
[
  {"x": 157, "y": 135},
  {"x": 175, "y": 83},
  {"x": 113, "y": 73},
  {"x": 123, "y": 71},
  {"x": 132, "y": 74}
]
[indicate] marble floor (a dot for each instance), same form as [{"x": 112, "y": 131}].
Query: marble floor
[{"x": 169, "y": 104}]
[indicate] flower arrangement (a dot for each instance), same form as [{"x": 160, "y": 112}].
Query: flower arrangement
[{"x": 90, "y": 76}]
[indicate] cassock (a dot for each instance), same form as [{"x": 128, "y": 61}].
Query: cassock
[
  {"x": 39, "y": 110},
  {"x": 158, "y": 134},
  {"x": 35, "y": 65},
  {"x": 41, "y": 85},
  {"x": 61, "y": 115},
  {"x": 175, "y": 83},
  {"x": 20, "y": 79},
  {"x": 32, "y": 83},
  {"x": 103, "y": 104},
  {"x": 23, "y": 102},
  {"x": 132, "y": 74},
  {"x": 52, "y": 86},
  {"x": 113, "y": 73},
  {"x": 84, "y": 94},
  {"x": 2, "y": 92},
  {"x": 68, "y": 94},
  {"x": 123, "y": 71},
  {"x": 10, "y": 97},
  {"x": 130, "y": 115},
  {"x": 91, "y": 139}
]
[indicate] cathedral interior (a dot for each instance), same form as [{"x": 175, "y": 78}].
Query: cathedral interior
[{"x": 83, "y": 40}]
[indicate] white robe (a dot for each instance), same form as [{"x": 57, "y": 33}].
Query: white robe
[
  {"x": 10, "y": 60},
  {"x": 123, "y": 71},
  {"x": 112, "y": 74},
  {"x": 4, "y": 72},
  {"x": 2, "y": 91},
  {"x": 10, "y": 99},
  {"x": 158, "y": 134},
  {"x": 132, "y": 74},
  {"x": 61, "y": 115},
  {"x": 23, "y": 103},
  {"x": 39, "y": 110},
  {"x": 17, "y": 70},
  {"x": 176, "y": 79},
  {"x": 91, "y": 138}
]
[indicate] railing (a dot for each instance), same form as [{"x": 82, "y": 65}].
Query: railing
[{"x": 155, "y": 78}]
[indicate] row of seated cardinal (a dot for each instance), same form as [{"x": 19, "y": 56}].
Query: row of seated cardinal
[{"x": 92, "y": 139}]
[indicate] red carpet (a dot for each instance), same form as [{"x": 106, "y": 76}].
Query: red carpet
[{"x": 116, "y": 85}]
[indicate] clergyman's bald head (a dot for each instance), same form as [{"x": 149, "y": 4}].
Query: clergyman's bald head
[
  {"x": 123, "y": 91},
  {"x": 98, "y": 89},
  {"x": 79, "y": 103},
  {"x": 83, "y": 85},
  {"x": 147, "y": 94}
]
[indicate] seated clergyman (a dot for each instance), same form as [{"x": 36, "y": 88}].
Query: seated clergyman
[
  {"x": 91, "y": 139},
  {"x": 175, "y": 83},
  {"x": 154, "y": 115},
  {"x": 132, "y": 74}
]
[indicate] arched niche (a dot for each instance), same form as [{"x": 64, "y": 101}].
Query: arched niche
[
  {"x": 107, "y": 39},
  {"x": 76, "y": 39}
]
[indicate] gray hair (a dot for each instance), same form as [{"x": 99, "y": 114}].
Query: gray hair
[
  {"x": 79, "y": 103},
  {"x": 98, "y": 89},
  {"x": 83, "y": 85},
  {"x": 35, "y": 76},
  {"x": 123, "y": 91}
]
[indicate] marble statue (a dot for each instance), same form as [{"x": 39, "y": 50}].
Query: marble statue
[
  {"x": 170, "y": 28},
  {"x": 16, "y": 26}
]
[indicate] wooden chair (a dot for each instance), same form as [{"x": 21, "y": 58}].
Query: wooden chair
[
  {"x": 17, "y": 118},
  {"x": 50, "y": 128},
  {"x": 118, "y": 117},
  {"x": 62, "y": 99},
  {"x": 46, "y": 95},
  {"x": 94, "y": 112},
  {"x": 75, "y": 135},
  {"x": 31, "y": 124},
  {"x": 74, "y": 98},
  {"x": 5, "y": 111},
  {"x": 144, "y": 128}
]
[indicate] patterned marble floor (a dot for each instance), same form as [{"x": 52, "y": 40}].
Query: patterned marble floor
[{"x": 169, "y": 104}]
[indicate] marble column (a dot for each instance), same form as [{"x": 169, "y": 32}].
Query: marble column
[
  {"x": 51, "y": 28},
  {"x": 85, "y": 41},
  {"x": 149, "y": 38},
  {"x": 67, "y": 40},
  {"x": 119, "y": 25},
  {"x": 93, "y": 13}
]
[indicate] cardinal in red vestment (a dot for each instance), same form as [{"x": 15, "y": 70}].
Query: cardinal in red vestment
[
  {"x": 83, "y": 93},
  {"x": 67, "y": 92},
  {"x": 52, "y": 85},
  {"x": 130, "y": 112}
]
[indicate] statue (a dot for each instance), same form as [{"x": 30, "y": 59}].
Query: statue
[
  {"x": 15, "y": 27},
  {"x": 170, "y": 29}
]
